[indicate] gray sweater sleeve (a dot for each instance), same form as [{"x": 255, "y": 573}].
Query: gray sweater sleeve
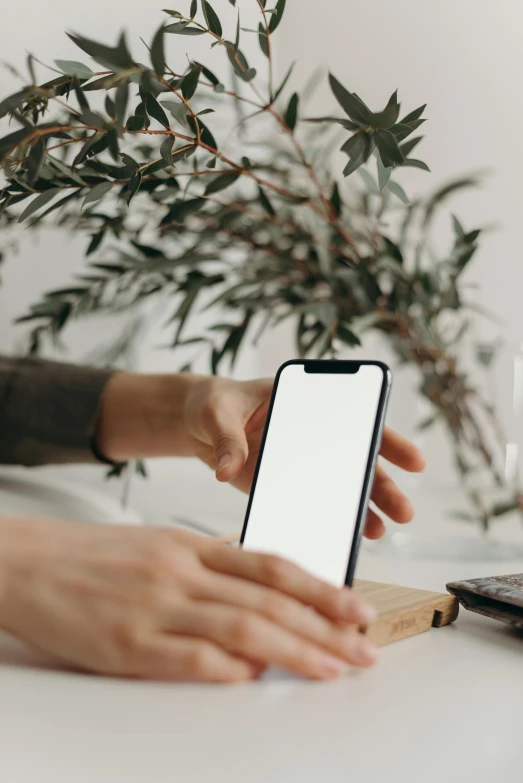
[{"x": 48, "y": 411}]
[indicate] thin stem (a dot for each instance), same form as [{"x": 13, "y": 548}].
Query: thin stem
[
  {"x": 269, "y": 47},
  {"x": 232, "y": 53}
]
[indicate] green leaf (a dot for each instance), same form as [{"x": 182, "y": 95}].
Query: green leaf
[
  {"x": 30, "y": 68},
  {"x": 291, "y": 114},
  {"x": 13, "y": 102},
  {"x": 115, "y": 58},
  {"x": 35, "y": 160},
  {"x": 335, "y": 199},
  {"x": 74, "y": 68},
  {"x": 135, "y": 123},
  {"x": 266, "y": 204},
  {"x": 402, "y": 131},
  {"x": 182, "y": 29},
  {"x": 94, "y": 244},
  {"x": 284, "y": 82},
  {"x": 349, "y": 102},
  {"x": 86, "y": 146},
  {"x": 471, "y": 237},
  {"x": 110, "y": 107},
  {"x": 387, "y": 118},
  {"x": 182, "y": 153},
  {"x": 97, "y": 193},
  {"x": 181, "y": 209},
  {"x": 213, "y": 23},
  {"x": 205, "y": 134},
  {"x": 190, "y": 83},
  {"x": 354, "y": 144},
  {"x": 194, "y": 8},
  {"x": 414, "y": 115},
  {"x": 416, "y": 164},
  {"x": 398, "y": 192},
  {"x": 393, "y": 250},
  {"x": 388, "y": 149},
  {"x": 458, "y": 228},
  {"x": 369, "y": 181},
  {"x": 176, "y": 27},
  {"x": 131, "y": 164},
  {"x": 443, "y": 193},
  {"x": 40, "y": 201},
  {"x": 133, "y": 186},
  {"x": 120, "y": 103},
  {"x": 157, "y": 53},
  {"x": 237, "y": 41},
  {"x": 248, "y": 75},
  {"x": 499, "y": 509},
  {"x": 12, "y": 140},
  {"x": 263, "y": 40},
  {"x": 359, "y": 148},
  {"x": 384, "y": 173},
  {"x": 221, "y": 182},
  {"x": 357, "y": 160},
  {"x": 239, "y": 63},
  {"x": 277, "y": 17},
  {"x": 427, "y": 423},
  {"x": 347, "y": 336},
  {"x": 208, "y": 74},
  {"x": 178, "y": 110},
  {"x": 140, "y": 469},
  {"x": 112, "y": 144},
  {"x": 155, "y": 110},
  {"x": 409, "y": 145},
  {"x": 166, "y": 150}
]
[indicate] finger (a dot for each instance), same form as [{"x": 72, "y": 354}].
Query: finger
[
  {"x": 390, "y": 499},
  {"x": 248, "y": 634},
  {"x": 286, "y": 578},
  {"x": 190, "y": 659},
  {"x": 374, "y": 527},
  {"x": 397, "y": 449},
  {"x": 229, "y": 443},
  {"x": 282, "y": 610},
  {"x": 258, "y": 417}
]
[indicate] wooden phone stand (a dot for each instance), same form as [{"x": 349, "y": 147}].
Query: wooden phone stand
[
  {"x": 405, "y": 611},
  {"x": 402, "y": 611}
]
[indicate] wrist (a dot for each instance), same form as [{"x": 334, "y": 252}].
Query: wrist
[
  {"x": 143, "y": 416},
  {"x": 11, "y": 541}
]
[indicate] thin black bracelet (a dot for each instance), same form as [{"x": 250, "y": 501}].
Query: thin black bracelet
[{"x": 101, "y": 458}]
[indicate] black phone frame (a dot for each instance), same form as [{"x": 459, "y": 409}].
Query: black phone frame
[{"x": 331, "y": 366}]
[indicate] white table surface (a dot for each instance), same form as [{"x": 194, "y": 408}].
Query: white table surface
[{"x": 442, "y": 706}]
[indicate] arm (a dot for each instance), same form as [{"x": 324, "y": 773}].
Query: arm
[{"x": 48, "y": 411}]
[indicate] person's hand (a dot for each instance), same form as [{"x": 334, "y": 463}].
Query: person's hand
[
  {"x": 171, "y": 605},
  {"x": 226, "y": 419},
  {"x": 221, "y": 421}
]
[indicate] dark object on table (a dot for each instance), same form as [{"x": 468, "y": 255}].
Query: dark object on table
[{"x": 499, "y": 597}]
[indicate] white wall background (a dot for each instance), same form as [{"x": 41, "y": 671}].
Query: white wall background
[{"x": 463, "y": 57}]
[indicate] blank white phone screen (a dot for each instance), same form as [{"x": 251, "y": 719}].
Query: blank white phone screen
[{"x": 306, "y": 500}]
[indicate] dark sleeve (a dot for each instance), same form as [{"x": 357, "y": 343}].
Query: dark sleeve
[{"x": 48, "y": 411}]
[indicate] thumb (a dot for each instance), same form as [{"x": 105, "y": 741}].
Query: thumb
[{"x": 230, "y": 447}]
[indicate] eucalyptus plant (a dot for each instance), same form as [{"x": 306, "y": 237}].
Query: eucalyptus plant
[{"x": 254, "y": 222}]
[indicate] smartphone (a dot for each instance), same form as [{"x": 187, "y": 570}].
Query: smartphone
[{"x": 316, "y": 465}]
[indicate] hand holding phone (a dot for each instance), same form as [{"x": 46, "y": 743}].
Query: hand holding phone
[{"x": 316, "y": 465}]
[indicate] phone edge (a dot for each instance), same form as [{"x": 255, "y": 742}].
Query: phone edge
[{"x": 371, "y": 462}]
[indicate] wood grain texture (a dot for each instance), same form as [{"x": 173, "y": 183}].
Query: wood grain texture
[{"x": 405, "y": 611}]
